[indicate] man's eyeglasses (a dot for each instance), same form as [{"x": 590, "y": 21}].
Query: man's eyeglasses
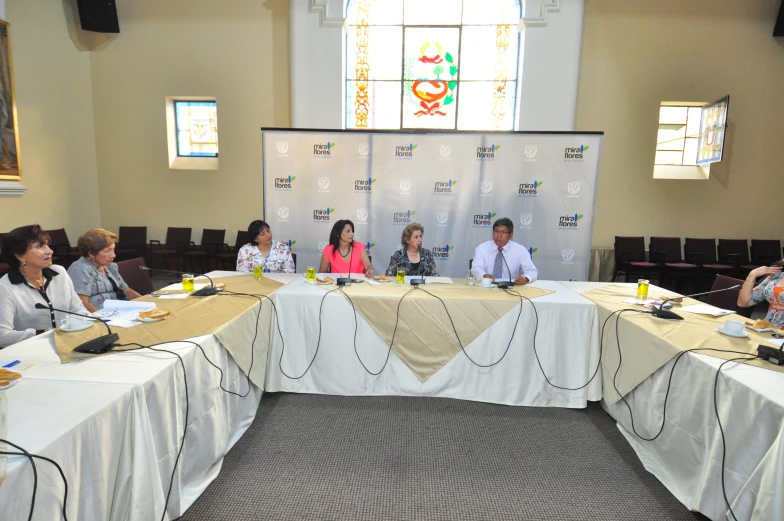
[{"x": 501, "y": 232}]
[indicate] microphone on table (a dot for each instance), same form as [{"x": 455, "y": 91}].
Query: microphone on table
[
  {"x": 663, "y": 311},
  {"x": 419, "y": 281},
  {"x": 346, "y": 281},
  {"x": 96, "y": 346},
  {"x": 502, "y": 284},
  {"x": 203, "y": 292},
  {"x": 771, "y": 354}
]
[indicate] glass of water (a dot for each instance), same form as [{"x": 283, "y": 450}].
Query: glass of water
[{"x": 471, "y": 281}]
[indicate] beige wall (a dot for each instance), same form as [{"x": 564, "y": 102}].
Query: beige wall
[
  {"x": 236, "y": 51},
  {"x": 54, "y": 102},
  {"x": 637, "y": 54}
]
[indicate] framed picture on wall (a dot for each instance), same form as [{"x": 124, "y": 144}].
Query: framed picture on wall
[{"x": 10, "y": 161}]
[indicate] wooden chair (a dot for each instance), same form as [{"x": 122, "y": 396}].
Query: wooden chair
[
  {"x": 666, "y": 252},
  {"x": 138, "y": 280},
  {"x": 131, "y": 242},
  {"x": 64, "y": 253},
  {"x": 177, "y": 242},
  {"x": 227, "y": 258},
  {"x": 630, "y": 259},
  {"x": 728, "y": 299},
  {"x": 211, "y": 241}
]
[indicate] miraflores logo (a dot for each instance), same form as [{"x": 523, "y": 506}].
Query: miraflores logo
[
  {"x": 322, "y": 245},
  {"x": 405, "y": 186},
  {"x": 529, "y": 189},
  {"x": 487, "y": 152},
  {"x": 322, "y": 216},
  {"x": 364, "y": 149},
  {"x": 573, "y": 188},
  {"x": 283, "y": 213},
  {"x": 530, "y": 152},
  {"x": 362, "y": 215},
  {"x": 567, "y": 256},
  {"x": 369, "y": 245},
  {"x": 323, "y": 183},
  {"x": 532, "y": 251},
  {"x": 526, "y": 219},
  {"x": 444, "y": 187},
  {"x": 402, "y": 217},
  {"x": 442, "y": 218},
  {"x": 364, "y": 185},
  {"x": 324, "y": 150},
  {"x": 486, "y": 187},
  {"x": 283, "y": 147},
  {"x": 444, "y": 151},
  {"x": 483, "y": 220},
  {"x": 442, "y": 252},
  {"x": 569, "y": 222},
  {"x": 575, "y": 154},
  {"x": 291, "y": 243},
  {"x": 283, "y": 184},
  {"x": 405, "y": 151}
]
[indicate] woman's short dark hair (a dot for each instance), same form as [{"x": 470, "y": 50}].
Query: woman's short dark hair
[
  {"x": 19, "y": 240},
  {"x": 255, "y": 228},
  {"x": 337, "y": 229},
  {"x": 504, "y": 221},
  {"x": 409, "y": 230}
]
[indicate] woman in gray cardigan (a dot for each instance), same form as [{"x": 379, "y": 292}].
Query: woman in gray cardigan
[{"x": 413, "y": 258}]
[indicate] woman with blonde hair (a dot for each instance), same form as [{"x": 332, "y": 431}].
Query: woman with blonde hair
[
  {"x": 95, "y": 275},
  {"x": 412, "y": 257}
]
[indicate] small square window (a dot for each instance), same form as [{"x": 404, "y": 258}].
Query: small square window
[
  {"x": 197, "y": 128},
  {"x": 192, "y": 132}
]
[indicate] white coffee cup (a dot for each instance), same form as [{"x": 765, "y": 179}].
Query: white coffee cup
[
  {"x": 487, "y": 282},
  {"x": 734, "y": 327},
  {"x": 72, "y": 322}
]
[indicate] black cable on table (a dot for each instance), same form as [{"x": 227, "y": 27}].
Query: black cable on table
[
  {"x": 356, "y": 326},
  {"x": 35, "y": 474}
]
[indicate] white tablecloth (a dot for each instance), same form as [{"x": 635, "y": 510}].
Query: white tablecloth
[
  {"x": 566, "y": 342},
  {"x": 125, "y": 416},
  {"x": 687, "y": 456}
]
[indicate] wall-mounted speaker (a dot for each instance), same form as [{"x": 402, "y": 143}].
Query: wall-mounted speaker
[{"x": 99, "y": 16}]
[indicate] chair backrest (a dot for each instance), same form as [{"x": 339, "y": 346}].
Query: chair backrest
[
  {"x": 470, "y": 264},
  {"x": 132, "y": 236},
  {"x": 176, "y": 236},
  {"x": 629, "y": 249},
  {"x": 138, "y": 280},
  {"x": 705, "y": 247},
  {"x": 58, "y": 237},
  {"x": 728, "y": 299},
  {"x": 294, "y": 257},
  {"x": 737, "y": 247},
  {"x": 765, "y": 251},
  {"x": 212, "y": 239},
  {"x": 670, "y": 246},
  {"x": 243, "y": 238}
]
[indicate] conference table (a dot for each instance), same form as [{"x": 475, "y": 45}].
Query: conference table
[
  {"x": 114, "y": 423},
  {"x": 687, "y": 456}
]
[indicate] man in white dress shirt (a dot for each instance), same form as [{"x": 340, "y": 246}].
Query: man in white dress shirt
[{"x": 493, "y": 259}]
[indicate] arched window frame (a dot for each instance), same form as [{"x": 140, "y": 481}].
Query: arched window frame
[{"x": 358, "y": 112}]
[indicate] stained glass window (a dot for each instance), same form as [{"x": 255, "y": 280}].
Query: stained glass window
[
  {"x": 197, "y": 128},
  {"x": 432, "y": 64}
]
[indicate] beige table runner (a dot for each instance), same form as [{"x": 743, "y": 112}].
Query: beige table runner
[
  {"x": 648, "y": 343},
  {"x": 425, "y": 339},
  {"x": 192, "y": 317}
]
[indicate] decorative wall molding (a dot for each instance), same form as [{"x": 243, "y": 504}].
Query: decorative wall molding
[
  {"x": 536, "y": 12},
  {"x": 12, "y": 189},
  {"x": 331, "y": 12}
]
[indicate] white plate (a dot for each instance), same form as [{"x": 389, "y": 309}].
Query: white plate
[
  {"x": 743, "y": 334},
  {"x": 73, "y": 329},
  {"x": 11, "y": 383}
]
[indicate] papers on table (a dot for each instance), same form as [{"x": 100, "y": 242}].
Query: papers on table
[
  {"x": 704, "y": 309},
  {"x": 122, "y": 313},
  {"x": 173, "y": 295},
  {"x": 638, "y": 302}
]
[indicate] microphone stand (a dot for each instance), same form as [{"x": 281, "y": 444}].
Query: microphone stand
[
  {"x": 96, "y": 346},
  {"x": 663, "y": 311},
  {"x": 503, "y": 284},
  {"x": 419, "y": 281},
  {"x": 203, "y": 292},
  {"x": 346, "y": 281}
]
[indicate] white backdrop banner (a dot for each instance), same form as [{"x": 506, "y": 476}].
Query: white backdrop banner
[{"x": 455, "y": 184}]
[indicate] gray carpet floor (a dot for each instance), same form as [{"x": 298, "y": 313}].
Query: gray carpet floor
[{"x": 365, "y": 458}]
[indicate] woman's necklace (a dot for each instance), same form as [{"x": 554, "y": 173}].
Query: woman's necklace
[
  {"x": 344, "y": 255},
  {"x": 38, "y": 283}
]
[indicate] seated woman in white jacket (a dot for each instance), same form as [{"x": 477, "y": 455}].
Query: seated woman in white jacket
[{"x": 32, "y": 279}]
